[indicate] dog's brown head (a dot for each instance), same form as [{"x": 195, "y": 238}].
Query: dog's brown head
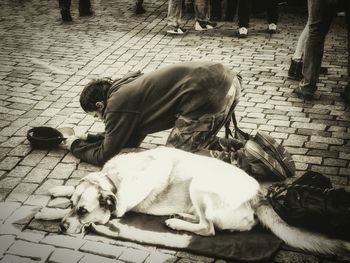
[{"x": 90, "y": 204}]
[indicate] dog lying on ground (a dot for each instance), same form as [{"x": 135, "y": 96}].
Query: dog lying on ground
[{"x": 206, "y": 194}]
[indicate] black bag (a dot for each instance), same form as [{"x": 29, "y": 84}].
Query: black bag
[{"x": 313, "y": 204}]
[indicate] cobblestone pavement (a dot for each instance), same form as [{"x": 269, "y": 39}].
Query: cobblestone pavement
[{"x": 45, "y": 64}]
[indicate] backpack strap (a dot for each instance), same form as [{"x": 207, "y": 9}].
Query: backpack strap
[{"x": 239, "y": 134}]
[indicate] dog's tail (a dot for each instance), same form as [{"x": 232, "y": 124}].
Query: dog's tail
[{"x": 293, "y": 236}]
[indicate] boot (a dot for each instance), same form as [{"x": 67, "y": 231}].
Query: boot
[
  {"x": 346, "y": 94},
  {"x": 64, "y": 6},
  {"x": 295, "y": 70},
  {"x": 85, "y": 8},
  {"x": 139, "y": 7}
]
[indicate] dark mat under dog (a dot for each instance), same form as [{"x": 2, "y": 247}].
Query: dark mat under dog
[{"x": 253, "y": 246}]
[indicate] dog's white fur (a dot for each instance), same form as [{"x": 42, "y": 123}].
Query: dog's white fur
[{"x": 206, "y": 194}]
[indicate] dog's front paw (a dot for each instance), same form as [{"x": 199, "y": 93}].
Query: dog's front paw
[{"x": 173, "y": 223}]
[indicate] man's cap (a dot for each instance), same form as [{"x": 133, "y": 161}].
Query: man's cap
[{"x": 45, "y": 138}]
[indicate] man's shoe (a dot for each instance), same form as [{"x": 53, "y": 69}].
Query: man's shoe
[
  {"x": 176, "y": 30},
  {"x": 271, "y": 146},
  {"x": 139, "y": 9},
  {"x": 242, "y": 32},
  {"x": 346, "y": 94},
  {"x": 66, "y": 16},
  {"x": 272, "y": 28},
  {"x": 263, "y": 164},
  {"x": 306, "y": 93},
  {"x": 295, "y": 70},
  {"x": 204, "y": 25}
]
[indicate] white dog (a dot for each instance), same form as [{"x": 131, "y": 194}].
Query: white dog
[{"x": 206, "y": 194}]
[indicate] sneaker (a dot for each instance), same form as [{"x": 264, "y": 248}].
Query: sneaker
[
  {"x": 242, "y": 32},
  {"x": 263, "y": 164},
  {"x": 204, "y": 25},
  {"x": 176, "y": 30},
  {"x": 272, "y": 28},
  {"x": 306, "y": 92},
  {"x": 271, "y": 146},
  {"x": 295, "y": 70}
]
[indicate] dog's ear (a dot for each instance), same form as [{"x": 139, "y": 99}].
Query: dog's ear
[{"x": 108, "y": 200}]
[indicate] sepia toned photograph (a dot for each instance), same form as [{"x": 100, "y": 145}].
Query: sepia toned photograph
[{"x": 175, "y": 131}]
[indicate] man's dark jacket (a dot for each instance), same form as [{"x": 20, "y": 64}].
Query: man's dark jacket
[{"x": 152, "y": 103}]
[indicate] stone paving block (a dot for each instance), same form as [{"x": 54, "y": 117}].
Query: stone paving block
[
  {"x": 62, "y": 171},
  {"x": 5, "y": 242},
  {"x": 48, "y": 162},
  {"x": 37, "y": 175},
  {"x": 37, "y": 200},
  {"x": 33, "y": 158},
  {"x": 327, "y": 140},
  {"x": 62, "y": 255},
  {"x": 22, "y": 192},
  {"x": 9, "y": 163},
  {"x": 307, "y": 159},
  {"x": 50, "y": 183},
  {"x": 20, "y": 171},
  {"x": 102, "y": 249},
  {"x": 59, "y": 202},
  {"x": 3, "y": 194},
  {"x": 31, "y": 235},
  {"x": 10, "y": 229},
  {"x": 7, "y": 208},
  {"x": 43, "y": 225},
  {"x": 15, "y": 259},
  {"x": 22, "y": 215},
  {"x": 158, "y": 257},
  {"x": 134, "y": 255},
  {"x": 9, "y": 182},
  {"x": 32, "y": 250},
  {"x": 88, "y": 258},
  {"x": 63, "y": 241}
]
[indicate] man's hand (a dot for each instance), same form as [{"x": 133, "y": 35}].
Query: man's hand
[{"x": 67, "y": 143}]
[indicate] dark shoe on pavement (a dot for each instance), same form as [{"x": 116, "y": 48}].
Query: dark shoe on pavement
[
  {"x": 295, "y": 70},
  {"x": 204, "y": 25},
  {"x": 305, "y": 92},
  {"x": 263, "y": 164},
  {"x": 346, "y": 94},
  {"x": 66, "y": 16},
  {"x": 139, "y": 9},
  {"x": 85, "y": 8},
  {"x": 271, "y": 146}
]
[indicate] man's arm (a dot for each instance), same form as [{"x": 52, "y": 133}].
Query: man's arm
[{"x": 120, "y": 130}]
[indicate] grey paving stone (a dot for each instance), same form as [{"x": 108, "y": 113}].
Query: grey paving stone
[
  {"x": 63, "y": 241},
  {"x": 102, "y": 249},
  {"x": 62, "y": 255},
  {"x": 32, "y": 250},
  {"x": 22, "y": 192},
  {"x": 7, "y": 208},
  {"x": 22, "y": 215},
  {"x": 88, "y": 258},
  {"x": 158, "y": 257},
  {"x": 134, "y": 255},
  {"x": 5, "y": 242},
  {"x": 62, "y": 171},
  {"x": 15, "y": 259},
  {"x": 43, "y": 189}
]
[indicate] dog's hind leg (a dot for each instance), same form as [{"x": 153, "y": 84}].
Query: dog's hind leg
[
  {"x": 203, "y": 228},
  {"x": 186, "y": 217}
]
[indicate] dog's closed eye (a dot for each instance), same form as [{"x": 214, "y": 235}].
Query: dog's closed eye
[{"x": 81, "y": 211}]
